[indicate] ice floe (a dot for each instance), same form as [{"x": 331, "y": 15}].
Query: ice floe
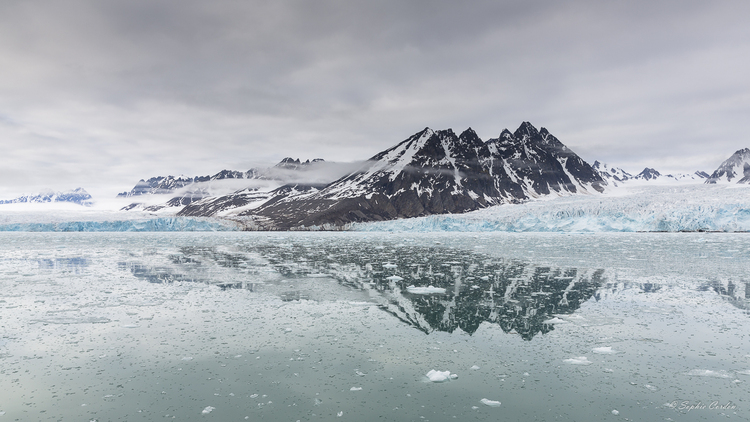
[
  {"x": 490, "y": 403},
  {"x": 580, "y": 360},
  {"x": 710, "y": 373},
  {"x": 440, "y": 376}
]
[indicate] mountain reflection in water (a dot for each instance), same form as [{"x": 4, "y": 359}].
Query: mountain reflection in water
[
  {"x": 517, "y": 296},
  {"x": 471, "y": 287}
]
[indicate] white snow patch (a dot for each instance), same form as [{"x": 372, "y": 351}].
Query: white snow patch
[
  {"x": 207, "y": 410},
  {"x": 425, "y": 290},
  {"x": 555, "y": 320}
]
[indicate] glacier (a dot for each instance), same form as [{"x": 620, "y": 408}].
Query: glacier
[
  {"x": 635, "y": 208},
  {"x": 162, "y": 224}
]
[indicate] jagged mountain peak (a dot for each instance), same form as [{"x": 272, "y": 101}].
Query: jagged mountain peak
[
  {"x": 648, "y": 174},
  {"x": 525, "y": 131},
  {"x": 735, "y": 169}
]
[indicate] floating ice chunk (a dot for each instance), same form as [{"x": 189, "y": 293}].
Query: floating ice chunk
[
  {"x": 355, "y": 389},
  {"x": 746, "y": 372},
  {"x": 207, "y": 410},
  {"x": 490, "y": 403},
  {"x": 555, "y": 320},
  {"x": 130, "y": 326},
  {"x": 580, "y": 360},
  {"x": 425, "y": 290},
  {"x": 390, "y": 266},
  {"x": 710, "y": 373},
  {"x": 604, "y": 350},
  {"x": 340, "y": 414},
  {"x": 187, "y": 358},
  {"x": 440, "y": 376},
  {"x": 651, "y": 387},
  {"x": 485, "y": 278},
  {"x": 474, "y": 368},
  {"x": 394, "y": 278},
  {"x": 615, "y": 412}
]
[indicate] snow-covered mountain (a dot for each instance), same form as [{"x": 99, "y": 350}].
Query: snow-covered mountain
[
  {"x": 161, "y": 185},
  {"x": 77, "y": 196},
  {"x": 736, "y": 169},
  {"x": 611, "y": 173},
  {"x": 617, "y": 176},
  {"x": 431, "y": 172}
]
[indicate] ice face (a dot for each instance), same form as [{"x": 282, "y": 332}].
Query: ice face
[
  {"x": 284, "y": 326},
  {"x": 639, "y": 208}
]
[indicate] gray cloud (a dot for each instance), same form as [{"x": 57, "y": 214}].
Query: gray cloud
[{"x": 99, "y": 94}]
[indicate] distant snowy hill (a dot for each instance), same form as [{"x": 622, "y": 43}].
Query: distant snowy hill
[
  {"x": 736, "y": 169},
  {"x": 161, "y": 185},
  {"x": 617, "y": 176},
  {"x": 76, "y": 196}
]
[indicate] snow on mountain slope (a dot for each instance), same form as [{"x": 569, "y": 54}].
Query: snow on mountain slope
[
  {"x": 611, "y": 173},
  {"x": 736, "y": 169},
  {"x": 670, "y": 208}
]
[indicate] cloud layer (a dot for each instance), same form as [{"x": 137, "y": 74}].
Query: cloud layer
[{"x": 99, "y": 94}]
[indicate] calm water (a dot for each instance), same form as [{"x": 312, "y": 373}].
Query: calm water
[{"x": 346, "y": 326}]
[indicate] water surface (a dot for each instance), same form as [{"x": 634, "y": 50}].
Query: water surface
[{"x": 345, "y": 326}]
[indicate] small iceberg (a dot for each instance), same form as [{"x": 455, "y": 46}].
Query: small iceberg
[
  {"x": 394, "y": 278},
  {"x": 207, "y": 410},
  {"x": 440, "y": 376},
  {"x": 580, "y": 360},
  {"x": 604, "y": 350},
  {"x": 425, "y": 290},
  {"x": 490, "y": 403}
]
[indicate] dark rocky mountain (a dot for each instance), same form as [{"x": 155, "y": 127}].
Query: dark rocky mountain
[
  {"x": 161, "y": 185},
  {"x": 648, "y": 174},
  {"x": 77, "y": 196},
  {"x": 736, "y": 169},
  {"x": 295, "y": 164},
  {"x": 431, "y": 172}
]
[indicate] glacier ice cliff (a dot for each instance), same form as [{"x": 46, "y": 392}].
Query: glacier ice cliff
[
  {"x": 660, "y": 208},
  {"x": 162, "y": 224}
]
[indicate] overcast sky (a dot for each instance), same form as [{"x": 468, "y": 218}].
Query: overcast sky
[{"x": 98, "y": 93}]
